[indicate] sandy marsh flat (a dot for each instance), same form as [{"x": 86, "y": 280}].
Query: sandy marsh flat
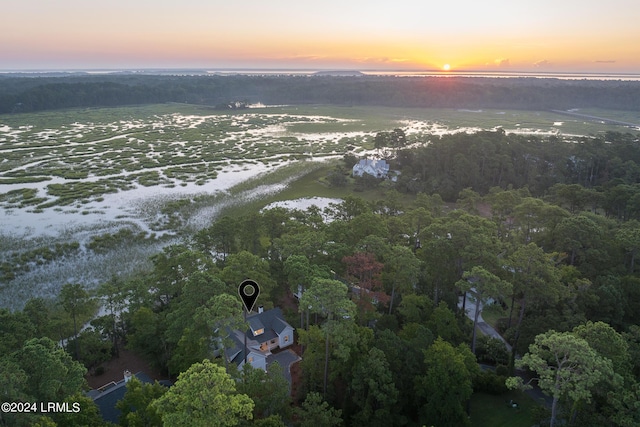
[{"x": 181, "y": 149}]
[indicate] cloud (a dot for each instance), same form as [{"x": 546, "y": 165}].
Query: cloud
[
  {"x": 382, "y": 60},
  {"x": 605, "y": 61},
  {"x": 305, "y": 58},
  {"x": 502, "y": 62},
  {"x": 542, "y": 63}
]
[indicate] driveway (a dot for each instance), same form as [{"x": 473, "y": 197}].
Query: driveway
[
  {"x": 485, "y": 328},
  {"x": 470, "y": 309},
  {"x": 285, "y": 358}
]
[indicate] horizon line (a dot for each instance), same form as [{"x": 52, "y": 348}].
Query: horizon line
[{"x": 307, "y": 69}]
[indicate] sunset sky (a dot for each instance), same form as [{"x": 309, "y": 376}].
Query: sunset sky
[{"x": 508, "y": 35}]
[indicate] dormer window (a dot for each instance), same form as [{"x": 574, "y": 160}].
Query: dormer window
[{"x": 257, "y": 328}]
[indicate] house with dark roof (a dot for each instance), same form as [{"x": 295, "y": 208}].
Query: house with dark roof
[
  {"x": 267, "y": 331},
  {"x": 376, "y": 168},
  {"x": 108, "y": 395}
]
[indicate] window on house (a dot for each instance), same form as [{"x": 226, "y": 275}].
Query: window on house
[
  {"x": 286, "y": 338},
  {"x": 258, "y": 332},
  {"x": 250, "y": 360}
]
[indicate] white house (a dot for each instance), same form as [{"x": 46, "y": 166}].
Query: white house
[
  {"x": 376, "y": 168},
  {"x": 267, "y": 331}
]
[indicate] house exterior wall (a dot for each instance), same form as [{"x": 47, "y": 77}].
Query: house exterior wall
[
  {"x": 285, "y": 339},
  {"x": 377, "y": 168},
  {"x": 268, "y": 346},
  {"x": 256, "y": 360}
]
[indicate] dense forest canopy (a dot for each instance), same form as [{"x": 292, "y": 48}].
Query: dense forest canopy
[
  {"x": 487, "y": 159},
  {"x": 25, "y": 94}
]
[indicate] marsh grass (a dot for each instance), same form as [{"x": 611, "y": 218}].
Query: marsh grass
[
  {"x": 383, "y": 118},
  {"x": 619, "y": 115},
  {"x": 94, "y": 152},
  {"x": 15, "y": 262},
  {"x": 159, "y": 139},
  {"x": 21, "y": 198},
  {"x": 186, "y": 215},
  {"x": 24, "y": 180},
  {"x": 304, "y": 180},
  {"x": 87, "y": 268},
  {"x": 39, "y": 266}
]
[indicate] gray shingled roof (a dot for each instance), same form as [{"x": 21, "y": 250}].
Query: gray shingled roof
[{"x": 273, "y": 322}]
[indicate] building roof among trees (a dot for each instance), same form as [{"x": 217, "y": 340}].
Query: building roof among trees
[
  {"x": 377, "y": 168},
  {"x": 108, "y": 395}
]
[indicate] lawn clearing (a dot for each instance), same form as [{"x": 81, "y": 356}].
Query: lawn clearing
[
  {"x": 489, "y": 410},
  {"x": 493, "y": 312}
]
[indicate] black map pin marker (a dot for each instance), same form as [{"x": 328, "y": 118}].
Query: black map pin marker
[{"x": 249, "y": 291}]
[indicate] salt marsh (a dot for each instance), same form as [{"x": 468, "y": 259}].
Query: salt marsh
[{"x": 164, "y": 171}]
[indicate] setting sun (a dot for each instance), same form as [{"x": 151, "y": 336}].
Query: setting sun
[{"x": 288, "y": 34}]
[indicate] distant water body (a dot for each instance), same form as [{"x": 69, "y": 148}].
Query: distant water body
[
  {"x": 338, "y": 72},
  {"x": 492, "y": 74},
  {"x": 436, "y": 73},
  {"x": 487, "y": 74}
]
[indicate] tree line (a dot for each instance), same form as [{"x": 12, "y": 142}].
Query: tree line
[
  {"x": 26, "y": 94},
  {"x": 586, "y": 173}
]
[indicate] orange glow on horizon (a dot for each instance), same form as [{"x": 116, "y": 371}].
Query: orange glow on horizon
[
  {"x": 275, "y": 52},
  {"x": 201, "y": 45},
  {"x": 492, "y": 35}
]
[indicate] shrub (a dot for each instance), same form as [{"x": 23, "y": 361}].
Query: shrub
[
  {"x": 490, "y": 382},
  {"x": 491, "y": 350},
  {"x": 502, "y": 370}
]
